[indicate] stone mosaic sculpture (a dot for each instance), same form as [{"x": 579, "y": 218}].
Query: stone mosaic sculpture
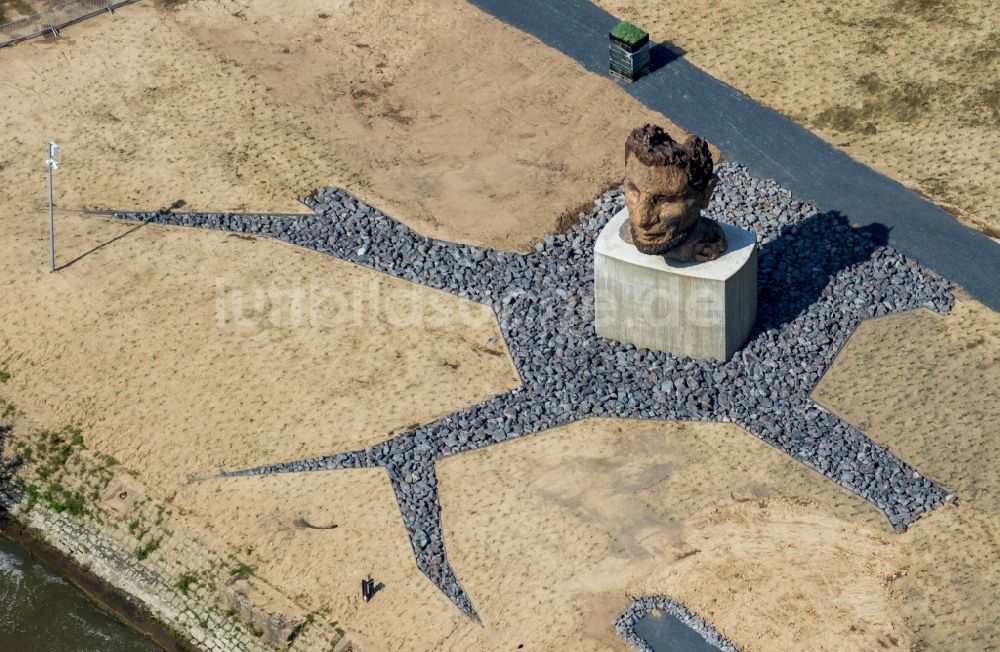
[
  {"x": 667, "y": 185},
  {"x": 544, "y": 304}
]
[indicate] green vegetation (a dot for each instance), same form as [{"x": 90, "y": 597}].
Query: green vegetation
[
  {"x": 628, "y": 33},
  {"x": 52, "y": 452},
  {"x": 243, "y": 569},
  {"x": 144, "y": 551},
  {"x": 59, "y": 500},
  {"x": 55, "y": 448},
  {"x": 4, "y": 376},
  {"x": 30, "y": 497},
  {"x": 186, "y": 581}
]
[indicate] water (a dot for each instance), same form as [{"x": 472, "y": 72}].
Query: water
[
  {"x": 666, "y": 633},
  {"x": 42, "y": 612}
]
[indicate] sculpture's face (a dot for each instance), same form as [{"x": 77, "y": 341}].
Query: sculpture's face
[{"x": 662, "y": 206}]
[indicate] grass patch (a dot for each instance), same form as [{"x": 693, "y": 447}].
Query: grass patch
[
  {"x": 848, "y": 119},
  {"x": 51, "y": 453},
  {"x": 144, "y": 551},
  {"x": 30, "y": 496},
  {"x": 243, "y": 570},
  {"x": 908, "y": 101},
  {"x": 926, "y": 9},
  {"x": 186, "y": 581},
  {"x": 629, "y": 33},
  {"x": 870, "y": 82},
  {"x": 4, "y": 376},
  {"x": 59, "y": 500}
]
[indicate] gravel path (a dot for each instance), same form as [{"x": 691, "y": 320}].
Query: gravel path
[{"x": 818, "y": 278}]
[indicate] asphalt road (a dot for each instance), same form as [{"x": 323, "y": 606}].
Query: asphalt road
[{"x": 769, "y": 144}]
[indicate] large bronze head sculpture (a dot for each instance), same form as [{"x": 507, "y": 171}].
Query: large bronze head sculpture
[{"x": 667, "y": 185}]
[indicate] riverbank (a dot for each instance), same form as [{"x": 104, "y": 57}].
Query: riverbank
[
  {"x": 105, "y": 597},
  {"x": 75, "y": 510}
]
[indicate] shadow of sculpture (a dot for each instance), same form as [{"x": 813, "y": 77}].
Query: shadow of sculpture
[{"x": 796, "y": 266}]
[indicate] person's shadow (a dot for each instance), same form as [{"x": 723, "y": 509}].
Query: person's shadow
[{"x": 795, "y": 267}]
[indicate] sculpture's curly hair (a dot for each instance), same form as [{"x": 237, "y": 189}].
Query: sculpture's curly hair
[{"x": 653, "y": 146}]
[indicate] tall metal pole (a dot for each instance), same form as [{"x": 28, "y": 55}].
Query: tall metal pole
[
  {"x": 53, "y": 165},
  {"x": 52, "y": 227}
]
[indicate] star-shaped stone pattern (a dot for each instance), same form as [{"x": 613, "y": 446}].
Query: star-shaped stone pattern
[{"x": 818, "y": 279}]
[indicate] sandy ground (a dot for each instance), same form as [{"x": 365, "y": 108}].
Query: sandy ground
[
  {"x": 145, "y": 344},
  {"x": 932, "y": 394},
  {"x": 576, "y": 519},
  {"x": 549, "y": 533},
  {"x": 152, "y": 107},
  {"x": 907, "y": 86},
  {"x": 478, "y": 137},
  {"x": 145, "y": 118},
  {"x": 491, "y": 138},
  {"x": 179, "y": 352},
  {"x": 323, "y": 569},
  {"x": 11, "y": 10}
]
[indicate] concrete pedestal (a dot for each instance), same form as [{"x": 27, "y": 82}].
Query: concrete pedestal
[{"x": 701, "y": 310}]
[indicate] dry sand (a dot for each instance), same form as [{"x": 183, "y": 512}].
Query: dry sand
[
  {"x": 490, "y": 138},
  {"x": 127, "y": 341},
  {"x": 182, "y": 351},
  {"x": 146, "y": 117},
  {"x": 150, "y": 109},
  {"x": 465, "y": 128},
  {"x": 323, "y": 569},
  {"x": 549, "y": 533},
  {"x": 931, "y": 393},
  {"x": 907, "y": 86},
  {"x": 154, "y": 106}
]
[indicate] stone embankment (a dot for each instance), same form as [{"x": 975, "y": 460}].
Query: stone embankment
[{"x": 133, "y": 549}]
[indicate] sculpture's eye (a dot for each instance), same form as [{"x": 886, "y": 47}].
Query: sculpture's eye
[
  {"x": 631, "y": 188},
  {"x": 667, "y": 199}
]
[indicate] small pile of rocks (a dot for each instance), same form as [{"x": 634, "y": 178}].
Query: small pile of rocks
[{"x": 818, "y": 279}]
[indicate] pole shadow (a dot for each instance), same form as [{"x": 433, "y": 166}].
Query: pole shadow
[{"x": 100, "y": 246}]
